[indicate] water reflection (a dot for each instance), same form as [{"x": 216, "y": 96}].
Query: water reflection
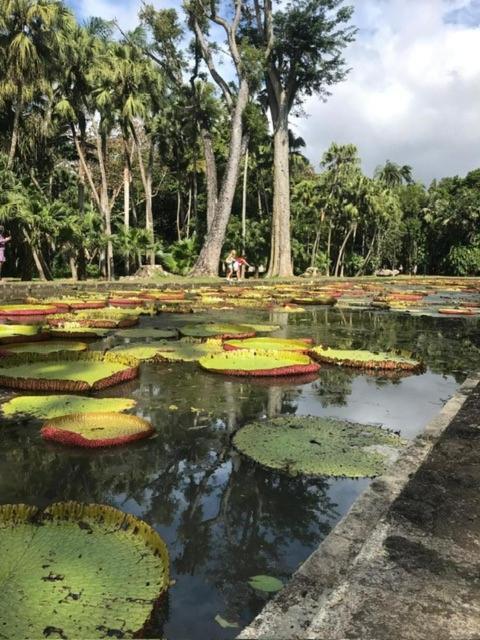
[{"x": 224, "y": 518}]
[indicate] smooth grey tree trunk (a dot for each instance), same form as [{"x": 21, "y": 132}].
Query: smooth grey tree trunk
[
  {"x": 210, "y": 176},
  {"x": 280, "y": 251},
  {"x": 16, "y": 128},
  {"x": 208, "y": 261}
]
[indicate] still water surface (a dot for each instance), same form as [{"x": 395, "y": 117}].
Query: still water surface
[{"x": 225, "y": 519}]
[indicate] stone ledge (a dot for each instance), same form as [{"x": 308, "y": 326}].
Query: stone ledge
[{"x": 291, "y": 613}]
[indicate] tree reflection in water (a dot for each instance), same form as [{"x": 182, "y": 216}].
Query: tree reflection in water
[{"x": 224, "y": 518}]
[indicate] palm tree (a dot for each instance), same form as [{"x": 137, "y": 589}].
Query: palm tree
[
  {"x": 394, "y": 175},
  {"x": 33, "y": 36}
]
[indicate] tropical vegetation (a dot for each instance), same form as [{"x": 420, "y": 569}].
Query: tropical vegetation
[{"x": 167, "y": 145}]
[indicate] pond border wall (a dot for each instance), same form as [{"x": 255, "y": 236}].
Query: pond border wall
[{"x": 289, "y": 615}]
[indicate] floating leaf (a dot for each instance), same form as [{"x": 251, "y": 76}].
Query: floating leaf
[
  {"x": 217, "y": 330},
  {"x": 48, "y": 346},
  {"x": 86, "y": 570},
  {"x": 366, "y": 359},
  {"x": 105, "y": 429},
  {"x": 61, "y": 405},
  {"x": 270, "y": 344},
  {"x": 259, "y": 363},
  {"x": 149, "y": 332},
  {"x": 187, "y": 351},
  {"x": 318, "y": 446},
  {"x": 17, "y": 332},
  {"x": 269, "y": 584},
  {"x": 76, "y": 372},
  {"x": 225, "y": 624}
]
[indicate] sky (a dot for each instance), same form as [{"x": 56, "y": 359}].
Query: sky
[{"x": 412, "y": 95}]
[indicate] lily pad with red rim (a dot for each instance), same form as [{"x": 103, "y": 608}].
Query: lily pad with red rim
[
  {"x": 270, "y": 344},
  {"x": 96, "y": 429},
  {"x": 259, "y": 363}
]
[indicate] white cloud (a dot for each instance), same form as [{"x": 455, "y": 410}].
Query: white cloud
[{"x": 413, "y": 93}]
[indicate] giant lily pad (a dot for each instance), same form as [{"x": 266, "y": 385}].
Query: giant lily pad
[
  {"x": 270, "y": 344},
  {"x": 11, "y": 333},
  {"x": 318, "y": 446},
  {"x": 27, "y": 309},
  {"x": 147, "y": 332},
  {"x": 61, "y": 405},
  {"x": 78, "y": 571},
  {"x": 366, "y": 359},
  {"x": 216, "y": 330},
  {"x": 49, "y": 346},
  {"x": 140, "y": 351},
  {"x": 259, "y": 363},
  {"x": 262, "y": 328},
  {"x": 188, "y": 351},
  {"x": 75, "y": 330},
  {"x": 98, "y": 318},
  {"x": 92, "y": 430},
  {"x": 76, "y": 372}
]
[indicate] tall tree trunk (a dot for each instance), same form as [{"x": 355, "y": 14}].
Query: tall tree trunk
[
  {"x": 146, "y": 175},
  {"x": 149, "y": 201},
  {"x": 244, "y": 202},
  {"x": 73, "y": 267},
  {"x": 210, "y": 175},
  {"x": 342, "y": 251},
  {"x": 329, "y": 248},
  {"x": 35, "y": 256},
  {"x": 16, "y": 127},
  {"x": 209, "y": 258},
  {"x": 280, "y": 251},
  {"x": 368, "y": 256},
  {"x": 105, "y": 204},
  {"x": 179, "y": 208},
  {"x": 126, "y": 208}
]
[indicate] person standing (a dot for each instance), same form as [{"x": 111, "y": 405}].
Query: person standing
[
  {"x": 3, "y": 242},
  {"x": 230, "y": 261}
]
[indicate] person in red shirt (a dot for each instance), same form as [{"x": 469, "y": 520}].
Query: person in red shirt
[{"x": 239, "y": 267}]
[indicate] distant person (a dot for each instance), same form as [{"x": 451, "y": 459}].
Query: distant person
[
  {"x": 3, "y": 242},
  {"x": 239, "y": 267},
  {"x": 230, "y": 261}
]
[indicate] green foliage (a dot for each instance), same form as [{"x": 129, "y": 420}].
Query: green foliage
[{"x": 464, "y": 261}]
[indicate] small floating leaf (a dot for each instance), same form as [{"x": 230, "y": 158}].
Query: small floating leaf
[
  {"x": 225, "y": 624},
  {"x": 269, "y": 584}
]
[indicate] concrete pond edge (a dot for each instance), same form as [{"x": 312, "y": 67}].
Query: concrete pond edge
[{"x": 291, "y": 612}]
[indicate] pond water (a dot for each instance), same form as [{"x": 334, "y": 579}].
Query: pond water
[{"x": 224, "y": 518}]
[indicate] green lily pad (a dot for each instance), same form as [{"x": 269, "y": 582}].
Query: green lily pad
[
  {"x": 61, "y": 405},
  {"x": 259, "y": 363},
  {"x": 49, "y": 346},
  {"x": 262, "y": 328},
  {"x": 26, "y": 309},
  {"x": 217, "y": 330},
  {"x": 75, "y": 330},
  {"x": 93, "y": 430},
  {"x": 188, "y": 351},
  {"x": 303, "y": 445},
  {"x": 270, "y": 344},
  {"x": 149, "y": 332},
  {"x": 366, "y": 359},
  {"x": 78, "y": 571},
  {"x": 269, "y": 584},
  {"x": 140, "y": 351},
  {"x": 15, "y": 331},
  {"x": 79, "y": 372}
]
